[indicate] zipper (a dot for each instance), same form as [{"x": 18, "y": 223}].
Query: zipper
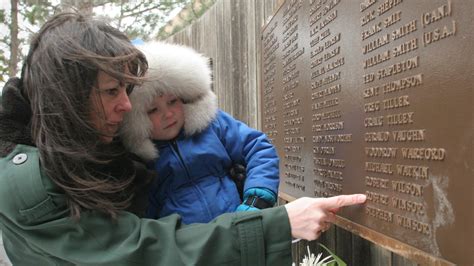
[{"x": 174, "y": 147}]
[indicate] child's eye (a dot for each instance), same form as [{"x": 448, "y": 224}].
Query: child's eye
[
  {"x": 152, "y": 111},
  {"x": 173, "y": 101}
]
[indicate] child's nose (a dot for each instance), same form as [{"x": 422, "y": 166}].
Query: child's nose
[{"x": 168, "y": 112}]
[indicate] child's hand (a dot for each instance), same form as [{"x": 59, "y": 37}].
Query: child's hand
[
  {"x": 257, "y": 198},
  {"x": 244, "y": 207}
]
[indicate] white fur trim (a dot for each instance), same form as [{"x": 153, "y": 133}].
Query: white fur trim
[
  {"x": 174, "y": 69},
  {"x": 198, "y": 115}
]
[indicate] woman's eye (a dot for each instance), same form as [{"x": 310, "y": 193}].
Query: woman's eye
[
  {"x": 129, "y": 88},
  {"x": 112, "y": 92}
]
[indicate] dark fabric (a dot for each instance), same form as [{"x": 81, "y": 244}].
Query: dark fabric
[
  {"x": 238, "y": 173},
  {"x": 257, "y": 202},
  {"x": 15, "y": 117}
]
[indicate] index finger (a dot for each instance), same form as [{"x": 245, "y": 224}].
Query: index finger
[{"x": 342, "y": 200}]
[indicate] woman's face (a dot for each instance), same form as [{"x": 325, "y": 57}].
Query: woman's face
[
  {"x": 167, "y": 116},
  {"x": 109, "y": 104}
]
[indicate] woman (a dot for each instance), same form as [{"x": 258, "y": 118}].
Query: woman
[{"x": 66, "y": 185}]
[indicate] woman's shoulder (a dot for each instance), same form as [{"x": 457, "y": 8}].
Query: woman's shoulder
[
  {"x": 23, "y": 188},
  {"x": 19, "y": 164}
]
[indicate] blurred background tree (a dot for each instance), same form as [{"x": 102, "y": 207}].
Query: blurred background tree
[{"x": 20, "y": 18}]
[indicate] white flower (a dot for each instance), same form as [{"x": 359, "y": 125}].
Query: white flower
[{"x": 312, "y": 260}]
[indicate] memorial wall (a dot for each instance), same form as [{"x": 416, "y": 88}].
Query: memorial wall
[{"x": 376, "y": 97}]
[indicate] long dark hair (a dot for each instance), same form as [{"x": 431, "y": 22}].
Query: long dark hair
[{"x": 58, "y": 75}]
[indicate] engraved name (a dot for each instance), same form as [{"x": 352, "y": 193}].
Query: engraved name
[
  {"x": 325, "y": 104},
  {"x": 400, "y": 119},
  {"x": 392, "y": 19},
  {"x": 323, "y": 194},
  {"x": 409, "y": 135},
  {"x": 404, "y": 30},
  {"x": 326, "y": 92},
  {"x": 327, "y": 80},
  {"x": 330, "y": 162},
  {"x": 295, "y": 185},
  {"x": 377, "y": 198},
  {"x": 395, "y": 102},
  {"x": 379, "y": 214},
  {"x": 413, "y": 171},
  {"x": 326, "y": 115},
  {"x": 366, "y": 4},
  {"x": 435, "y": 154},
  {"x": 394, "y": 86},
  {"x": 293, "y": 57},
  {"x": 381, "y": 152},
  {"x": 326, "y": 173},
  {"x": 376, "y": 43},
  {"x": 384, "y": 168},
  {"x": 292, "y": 131},
  {"x": 291, "y": 113},
  {"x": 293, "y": 158},
  {"x": 294, "y": 140},
  {"x": 293, "y": 121},
  {"x": 328, "y": 185},
  {"x": 375, "y": 28},
  {"x": 387, "y": 5},
  {"x": 328, "y": 126},
  {"x": 405, "y": 47},
  {"x": 413, "y": 225},
  {"x": 292, "y": 104},
  {"x": 377, "y": 59},
  {"x": 367, "y": 17},
  {"x": 377, "y": 182},
  {"x": 292, "y": 148},
  {"x": 397, "y": 68},
  {"x": 294, "y": 167},
  {"x": 379, "y": 136},
  {"x": 341, "y": 138},
  {"x": 376, "y": 121},
  {"x": 288, "y": 96},
  {"x": 298, "y": 177},
  {"x": 408, "y": 188},
  {"x": 324, "y": 150},
  {"x": 407, "y": 205}
]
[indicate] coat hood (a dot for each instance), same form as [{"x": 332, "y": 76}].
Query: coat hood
[{"x": 174, "y": 69}]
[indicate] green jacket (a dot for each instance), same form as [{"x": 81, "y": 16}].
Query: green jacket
[{"x": 37, "y": 230}]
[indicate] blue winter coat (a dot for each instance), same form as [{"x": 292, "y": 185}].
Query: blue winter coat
[{"x": 193, "y": 172}]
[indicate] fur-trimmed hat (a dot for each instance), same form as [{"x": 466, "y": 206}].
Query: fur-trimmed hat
[{"x": 174, "y": 69}]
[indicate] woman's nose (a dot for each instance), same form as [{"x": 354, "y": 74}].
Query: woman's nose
[{"x": 124, "y": 104}]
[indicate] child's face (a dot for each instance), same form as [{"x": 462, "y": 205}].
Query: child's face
[{"x": 167, "y": 116}]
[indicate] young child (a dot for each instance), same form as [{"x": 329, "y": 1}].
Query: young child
[{"x": 175, "y": 123}]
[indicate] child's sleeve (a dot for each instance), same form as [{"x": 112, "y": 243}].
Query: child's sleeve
[{"x": 251, "y": 148}]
